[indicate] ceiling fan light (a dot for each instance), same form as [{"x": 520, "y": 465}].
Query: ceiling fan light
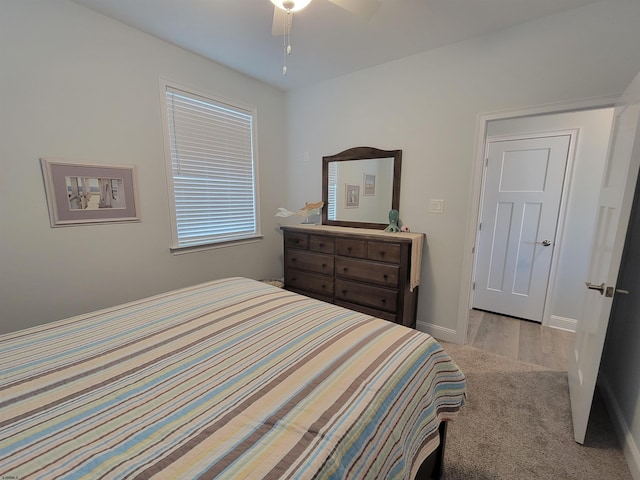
[{"x": 297, "y": 4}]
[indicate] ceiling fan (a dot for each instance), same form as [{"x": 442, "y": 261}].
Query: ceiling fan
[
  {"x": 283, "y": 17},
  {"x": 283, "y": 9}
]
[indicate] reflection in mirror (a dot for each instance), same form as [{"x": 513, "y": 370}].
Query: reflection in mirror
[
  {"x": 360, "y": 186},
  {"x": 364, "y": 190}
]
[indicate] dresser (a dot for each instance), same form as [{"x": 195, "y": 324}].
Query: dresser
[{"x": 371, "y": 271}]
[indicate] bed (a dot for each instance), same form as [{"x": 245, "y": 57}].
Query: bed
[{"x": 230, "y": 379}]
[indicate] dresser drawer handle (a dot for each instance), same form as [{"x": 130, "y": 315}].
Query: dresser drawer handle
[
  {"x": 297, "y": 240},
  {"x": 294, "y": 259},
  {"x": 321, "y": 244},
  {"x": 382, "y": 253},
  {"x": 344, "y": 269},
  {"x": 385, "y": 276},
  {"x": 344, "y": 292},
  {"x": 324, "y": 265},
  {"x": 383, "y": 300},
  {"x": 348, "y": 249}
]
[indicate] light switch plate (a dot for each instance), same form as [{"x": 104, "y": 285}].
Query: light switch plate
[{"x": 436, "y": 206}]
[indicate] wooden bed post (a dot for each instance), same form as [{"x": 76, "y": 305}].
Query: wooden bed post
[
  {"x": 433, "y": 467},
  {"x": 438, "y": 468}
]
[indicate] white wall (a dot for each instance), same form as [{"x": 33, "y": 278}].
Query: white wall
[
  {"x": 77, "y": 85},
  {"x": 573, "y": 244},
  {"x": 428, "y": 106}
]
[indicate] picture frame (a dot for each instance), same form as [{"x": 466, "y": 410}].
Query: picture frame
[
  {"x": 81, "y": 194},
  {"x": 369, "y": 183},
  {"x": 352, "y": 196}
]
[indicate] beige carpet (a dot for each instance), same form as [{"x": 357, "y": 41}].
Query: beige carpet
[{"x": 516, "y": 425}]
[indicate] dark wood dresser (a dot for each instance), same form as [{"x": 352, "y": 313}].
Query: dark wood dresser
[{"x": 370, "y": 271}]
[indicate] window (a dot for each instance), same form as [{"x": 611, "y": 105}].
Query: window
[{"x": 212, "y": 179}]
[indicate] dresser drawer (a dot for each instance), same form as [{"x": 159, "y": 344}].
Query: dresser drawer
[
  {"x": 322, "y": 244},
  {"x": 376, "y": 297},
  {"x": 349, "y": 247},
  {"x": 378, "y": 273},
  {"x": 317, "y": 296},
  {"x": 369, "y": 311},
  {"x": 296, "y": 240},
  {"x": 384, "y": 252},
  {"x": 363, "y": 270},
  {"x": 311, "y": 282},
  {"x": 311, "y": 262}
]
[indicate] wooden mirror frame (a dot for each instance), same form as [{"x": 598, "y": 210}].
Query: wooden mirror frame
[{"x": 361, "y": 153}]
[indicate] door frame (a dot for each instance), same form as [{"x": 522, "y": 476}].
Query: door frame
[
  {"x": 566, "y": 184},
  {"x": 482, "y": 122}
]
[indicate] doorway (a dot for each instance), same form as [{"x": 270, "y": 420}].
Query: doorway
[
  {"x": 521, "y": 196},
  {"x": 592, "y": 120}
]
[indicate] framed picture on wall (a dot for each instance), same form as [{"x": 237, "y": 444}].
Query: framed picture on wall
[
  {"x": 79, "y": 194},
  {"x": 352, "y": 196},
  {"x": 369, "y": 182}
]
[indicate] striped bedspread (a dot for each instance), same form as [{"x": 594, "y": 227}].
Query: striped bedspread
[{"x": 231, "y": 379}]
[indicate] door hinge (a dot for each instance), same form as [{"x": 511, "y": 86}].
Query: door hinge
[
  {"x": 473, "y": 250},
  {"x": 473, "y": 286},
  {"x": 480, "y": 226},
  {"x": 486, "y": 162}
]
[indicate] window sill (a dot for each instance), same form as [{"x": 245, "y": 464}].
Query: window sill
[{"x": 212, "y": 246}]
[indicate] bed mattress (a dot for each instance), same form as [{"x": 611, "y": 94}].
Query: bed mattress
[{"x": 229, "y": 379}]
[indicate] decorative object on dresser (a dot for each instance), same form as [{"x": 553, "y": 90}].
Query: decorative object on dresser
[
  {"x": 309, "y": 210},
  {"x": 370, "y": 271},
  {"x": 393, "y": 222}
]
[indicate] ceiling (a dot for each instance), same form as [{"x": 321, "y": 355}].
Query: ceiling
[{"x": 327, "y": 41}]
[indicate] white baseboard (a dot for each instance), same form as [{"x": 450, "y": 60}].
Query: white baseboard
[
  {"x": 629, "y": 445},
  {"x": 563, "y": 323},
  {"x": 437, "y": 332}
]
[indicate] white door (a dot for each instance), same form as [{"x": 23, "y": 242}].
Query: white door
[
  {"x": 520, "y": 204},
  {"x": 615, "y": 200}
]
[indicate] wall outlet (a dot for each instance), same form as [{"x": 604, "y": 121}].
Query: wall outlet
[{"x": 436, "y": 206}]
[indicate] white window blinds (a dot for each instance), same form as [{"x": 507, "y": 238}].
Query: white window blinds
[{"x": 212, "y": 165}]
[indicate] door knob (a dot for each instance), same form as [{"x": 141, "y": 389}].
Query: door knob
[
  {"x": 591, "y": 286},
  {"x": 544, "y": 243}
]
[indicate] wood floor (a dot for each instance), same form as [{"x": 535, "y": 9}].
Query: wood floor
[{"x": 520, "y": 339}]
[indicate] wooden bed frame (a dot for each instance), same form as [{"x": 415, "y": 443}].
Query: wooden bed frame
[{"x": 433, "y": 466}]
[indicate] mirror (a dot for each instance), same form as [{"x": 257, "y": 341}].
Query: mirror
[{"x": 360, "y": 186}]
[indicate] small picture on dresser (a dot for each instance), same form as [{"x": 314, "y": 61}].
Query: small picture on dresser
[
  {"x": 352, "y": 198},
  {"x": 369, "y": 184}
]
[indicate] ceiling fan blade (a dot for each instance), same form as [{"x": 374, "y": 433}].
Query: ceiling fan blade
[
  {"x": 279, "y": 21},
  {"x": 362, "y": 8}
]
